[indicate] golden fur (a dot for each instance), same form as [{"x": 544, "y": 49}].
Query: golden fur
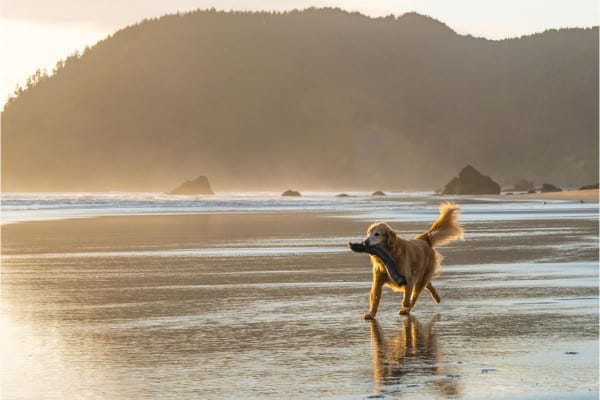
[{"x": 416, "y": 259}]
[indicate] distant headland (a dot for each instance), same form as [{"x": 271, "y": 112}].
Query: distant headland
[{"x": 320, "y": 98}]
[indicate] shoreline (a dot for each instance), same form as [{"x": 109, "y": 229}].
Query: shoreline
[{"x": 331, "y": 207}]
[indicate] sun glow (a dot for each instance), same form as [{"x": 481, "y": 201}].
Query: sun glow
[{"x": 27, "y": 46}]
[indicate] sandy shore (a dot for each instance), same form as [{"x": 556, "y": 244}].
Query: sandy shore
[
  {"x": 269, "y": 305},
  {"x": 573, "y": 195}
]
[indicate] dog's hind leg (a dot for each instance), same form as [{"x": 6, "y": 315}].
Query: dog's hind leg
[
  {"x": 415, "y": 294},
  {"x": 433, "y": 293}
]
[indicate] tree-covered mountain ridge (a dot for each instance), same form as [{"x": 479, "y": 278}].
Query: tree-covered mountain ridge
[{"x": 319, "y": 98}]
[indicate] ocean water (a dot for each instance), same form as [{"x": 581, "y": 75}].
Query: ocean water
[
  {"x": 17, "y": 207},
  {"x": 407, "y": 207}
]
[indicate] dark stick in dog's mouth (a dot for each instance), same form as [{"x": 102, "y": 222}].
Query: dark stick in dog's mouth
[{"x": 384, "y": 256}]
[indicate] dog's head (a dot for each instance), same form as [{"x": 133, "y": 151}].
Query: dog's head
[{"x": 382, "y": 234}]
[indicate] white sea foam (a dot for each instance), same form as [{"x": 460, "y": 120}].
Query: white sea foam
[
  {"x": 19, "y": 207},
  {"x": 406, "y": 207}
]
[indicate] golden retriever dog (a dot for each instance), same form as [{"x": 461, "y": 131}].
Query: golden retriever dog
[{"x": 416, "y": 259}]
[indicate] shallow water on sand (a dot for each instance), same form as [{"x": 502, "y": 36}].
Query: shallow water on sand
[
  {"x": 177, "y": 329},
  {"x": 219, "y": 321}
]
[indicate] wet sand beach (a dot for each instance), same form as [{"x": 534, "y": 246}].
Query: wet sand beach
[{"x": 269, "y": 305}]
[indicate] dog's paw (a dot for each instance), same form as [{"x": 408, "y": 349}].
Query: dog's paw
[
  {"x": 404, "y": 311},
  {"x": 368, "y": 316}
]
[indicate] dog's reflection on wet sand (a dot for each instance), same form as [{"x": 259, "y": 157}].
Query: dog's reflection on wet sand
[{"x": 410, "y": 351}]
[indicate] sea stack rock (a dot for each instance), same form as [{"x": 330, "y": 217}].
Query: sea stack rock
[
  {"x": 471, "y": 181},
  {"x": 378, "y": 193},
  {"x": 549, "y": 188},
  {"x": 291, "y": 193},
  {"x": 199, "y": 185}
]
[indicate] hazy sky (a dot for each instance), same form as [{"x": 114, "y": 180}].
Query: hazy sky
[{"x": 37, "y": 33}]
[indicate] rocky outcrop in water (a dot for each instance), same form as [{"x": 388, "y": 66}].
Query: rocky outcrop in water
[
  {"x": 549, "y": 188},
  {"x": 199, "y": 185},
  {"x": 291, "y": 193},
  {"x": 471, "y": 181}
]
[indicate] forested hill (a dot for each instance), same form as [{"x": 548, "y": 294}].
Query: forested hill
[{"x": 306, "y": 99}]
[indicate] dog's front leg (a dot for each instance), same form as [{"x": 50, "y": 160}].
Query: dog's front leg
[
  {"x": 375, "y": 295},
  {"x": 405, "y": 310}
]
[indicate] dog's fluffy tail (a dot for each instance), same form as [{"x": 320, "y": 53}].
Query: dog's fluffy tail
[{"x": 446, "y": 228}]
